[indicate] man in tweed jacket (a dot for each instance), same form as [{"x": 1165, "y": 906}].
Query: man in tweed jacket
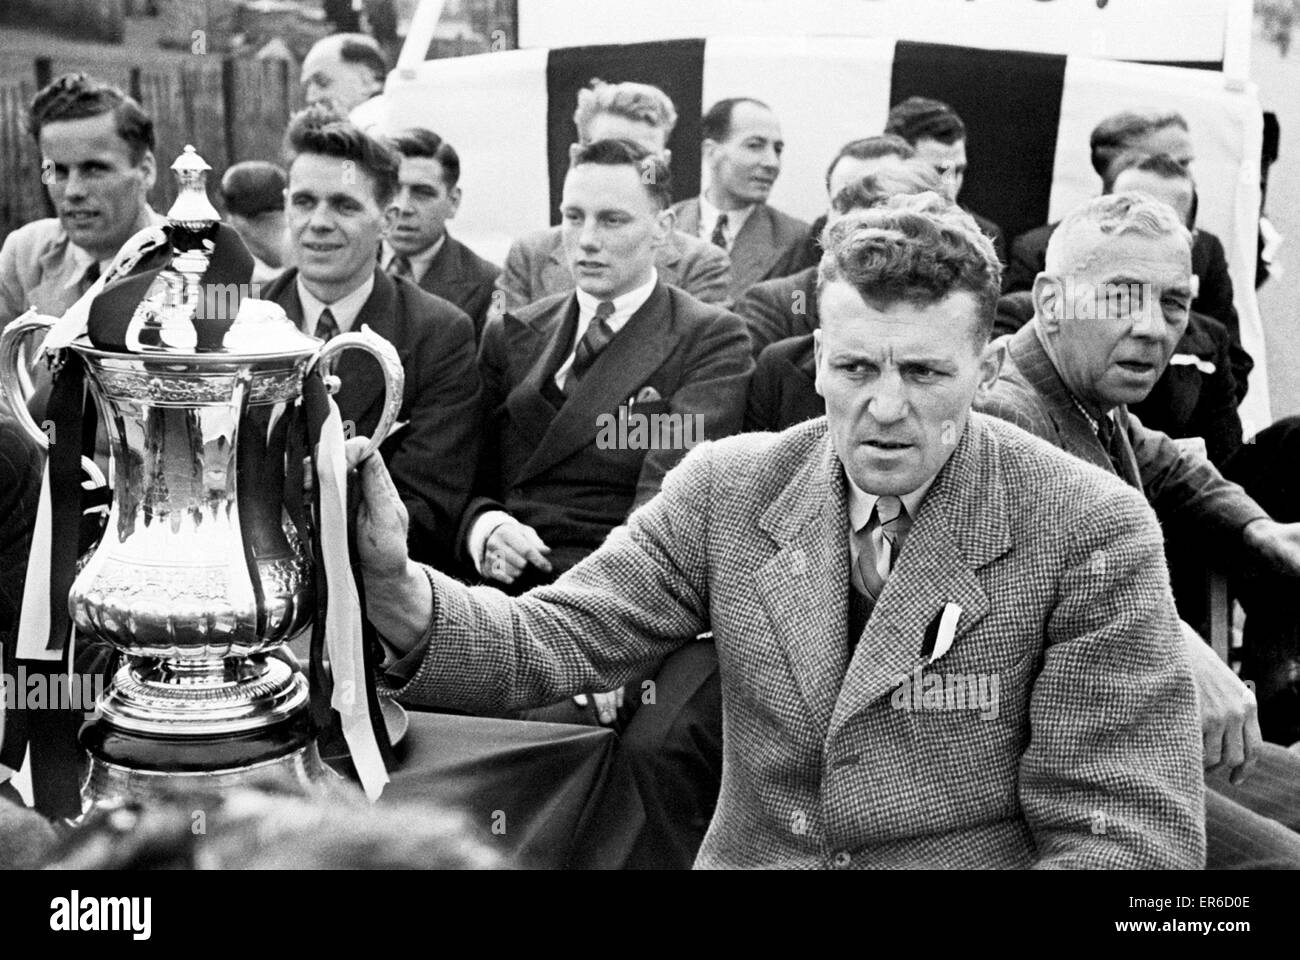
[{"x": 1022, "y": 566}]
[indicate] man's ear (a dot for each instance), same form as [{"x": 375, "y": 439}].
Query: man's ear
[
  {"x": 664, "y": 221},
  {"x": 991, "y": 359},
  {"x": 453, "y": 197},
  {"x": 817, "y": 362},
  {"x": 574, "y": 150},
  {"x": 668, "y": 157},
  {"x": 148, "y": 170},
  {"x": 1049, "y": 302}
]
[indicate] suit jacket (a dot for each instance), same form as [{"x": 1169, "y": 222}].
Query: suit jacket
[
  {"x": 565, "y": 471},
  {"x": 461, "y": 276},
  {"x": 783, "y": 389},
  {"x": 536, "y": 268},
  {"x": 1092, "y": 757},
  {"x": 768, "y": 245},
  {"x": 1196, "y": 395},
  {"x": 1209, "y": 263},
  {"x": 780, "y": 308},
  {"x": 1188, "y": 493},
  {"x": 432, "y": 458},
  {"x": 21, "y": 462}
]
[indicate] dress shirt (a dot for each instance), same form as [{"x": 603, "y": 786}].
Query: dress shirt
[
  {"x": 345, "y": 309},
  {"x": 735, "y": 220},
  {"x": 861, "y": 505},
  {"x": 420, "y": 262}
]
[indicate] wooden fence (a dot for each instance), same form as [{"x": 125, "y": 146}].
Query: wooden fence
[{"x": 229, "y": 108}]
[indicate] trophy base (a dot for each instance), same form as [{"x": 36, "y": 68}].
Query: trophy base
[{"x": 127, "y": 765}]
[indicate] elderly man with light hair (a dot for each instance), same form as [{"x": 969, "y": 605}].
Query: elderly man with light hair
[
  {"x": 857, "y": 571},
  {"x": 1108, "y": 311},
  {"x": 536, "y": 266}
]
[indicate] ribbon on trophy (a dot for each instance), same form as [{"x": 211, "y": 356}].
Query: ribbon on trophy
[{"x": 345, "y": 700}]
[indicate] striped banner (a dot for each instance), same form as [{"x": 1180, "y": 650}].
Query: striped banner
[{"x": 1028, "y": 117}]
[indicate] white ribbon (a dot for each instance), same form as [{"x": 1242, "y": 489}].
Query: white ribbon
[
  {"x": 34, "y": 618},
  {"x": 343, "y": 638}
]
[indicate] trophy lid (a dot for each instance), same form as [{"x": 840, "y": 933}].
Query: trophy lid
[{"x": 192, "y": 209}]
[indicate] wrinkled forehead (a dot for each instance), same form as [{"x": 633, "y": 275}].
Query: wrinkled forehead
[
  {"x": 897, "y": 328},
  {"x": 1087, "y": 251}
]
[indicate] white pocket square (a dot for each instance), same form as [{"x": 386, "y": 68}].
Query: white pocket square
[{"x": 947, "y": 630}]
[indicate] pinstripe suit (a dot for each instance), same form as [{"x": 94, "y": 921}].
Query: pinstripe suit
[
  {"x": 1191, "y": 497},
  {"x": 1064, "y": 598}
]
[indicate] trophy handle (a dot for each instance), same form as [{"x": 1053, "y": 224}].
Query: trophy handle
[
  {"x": 394, "y": 375},
  {"x": 12, "y": 376}
]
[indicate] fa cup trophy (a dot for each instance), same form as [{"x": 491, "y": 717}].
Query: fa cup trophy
[{"x": 208, "y": 563}]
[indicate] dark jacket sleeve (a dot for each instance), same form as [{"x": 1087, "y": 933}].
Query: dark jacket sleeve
[
  {"x": 763, "y": 405},
  {"x": 1215, "y": 416},
  {"x": 1214, "y": 299},
  {"x": 434, "y": 460},
  {"x": 486, "y": 493},
  {"x": 714, "y": 380}
]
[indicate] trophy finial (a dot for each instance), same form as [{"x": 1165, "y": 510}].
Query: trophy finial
[{"x": 192, "y": 209}]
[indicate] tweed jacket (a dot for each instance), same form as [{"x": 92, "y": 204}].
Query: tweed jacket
[
  {"x": 1092, "y": 757},
  {"x": 768, "y": 245},
  {"x": 536, "y": 268},
  {"x": 1187, "y": 492},
  {"x": 432, "y": 454}
]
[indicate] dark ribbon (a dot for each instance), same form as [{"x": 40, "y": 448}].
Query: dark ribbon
[{"x": 325, "y": 720}]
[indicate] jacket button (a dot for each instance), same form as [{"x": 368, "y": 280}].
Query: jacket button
[{"x": 842, "y": 860}]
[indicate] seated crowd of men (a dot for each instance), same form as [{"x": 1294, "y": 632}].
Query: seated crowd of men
[{"x": 710, "y": 314}]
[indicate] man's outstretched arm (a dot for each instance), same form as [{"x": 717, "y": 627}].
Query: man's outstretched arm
[{"x": 637, "y": 598}]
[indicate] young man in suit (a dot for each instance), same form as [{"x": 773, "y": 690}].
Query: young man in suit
[
  {"x": 567, "y": 382},
  {"x": 846, "y": 567},
  {"x": 537, "y": 266},
  {"x": 419, "y": 246},
  {"x": 742, "y": 151},
  {"x": 1109, "y": 309},
  {"x": 938, "y": 135},
  {"x": 340, "y": 183}
]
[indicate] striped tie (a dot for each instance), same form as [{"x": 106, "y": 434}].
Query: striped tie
[
  {"x": 595, "y": 340},
  {"x": 720, "y": 232},
  {"x": 327, "y": 327},
  {"x": 879, "y": 543}
]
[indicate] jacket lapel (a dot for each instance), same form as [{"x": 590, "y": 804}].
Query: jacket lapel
[
  {"x": 543, "y": 345},
  {"x": 636, "y": 351},
  {"x": 1075, "y": 433},
  {"x": 754, "y": 250},
  {"x": 803, "y": 586},
  {"x": 960, "y": 527}
]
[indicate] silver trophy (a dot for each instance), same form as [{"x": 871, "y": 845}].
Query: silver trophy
[{"x": 205, "y": 566}]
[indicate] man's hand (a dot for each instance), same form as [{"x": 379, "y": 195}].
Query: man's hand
[
  {"x": 399, "y": 598},
  {"x": 607, "y": 704},
  {"x": 1229, "y": 714},
  {"x": 510, "y": 548},
  {"x": 1279, "y": 543},
  {"x": 381, "y": 517}
]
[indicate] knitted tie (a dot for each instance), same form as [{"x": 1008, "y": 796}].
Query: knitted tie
[
  {"x": 399, "y": 266},
  {"x": 327, "y": 327},
  {"x": 879, "y": 542},
  {"x": 720, "y": 232},
  {"x": 595, "y": 340},
  {"x": 1109, "y": 436}
]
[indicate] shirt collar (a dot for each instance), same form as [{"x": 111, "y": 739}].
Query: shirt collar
[
  {"x": 624, "y": 306},
  {"x": 82, "y": 259},
  {"x": 419, "y": 261},
  {"x": 345, "y": 309},
  {"x": 709, "y": 218},
  {"x": 862, "y": 503}
]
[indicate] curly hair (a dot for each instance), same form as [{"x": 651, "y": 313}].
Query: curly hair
[
  {"x": 633, "y": 101},
  {"x": 914, "y": 249},
  {"x": 76, "y": 96},
  {"x": 321, "y": 131},
  {"x": 873, "y": 189},
  {"x": 1115, "y": 214}
]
